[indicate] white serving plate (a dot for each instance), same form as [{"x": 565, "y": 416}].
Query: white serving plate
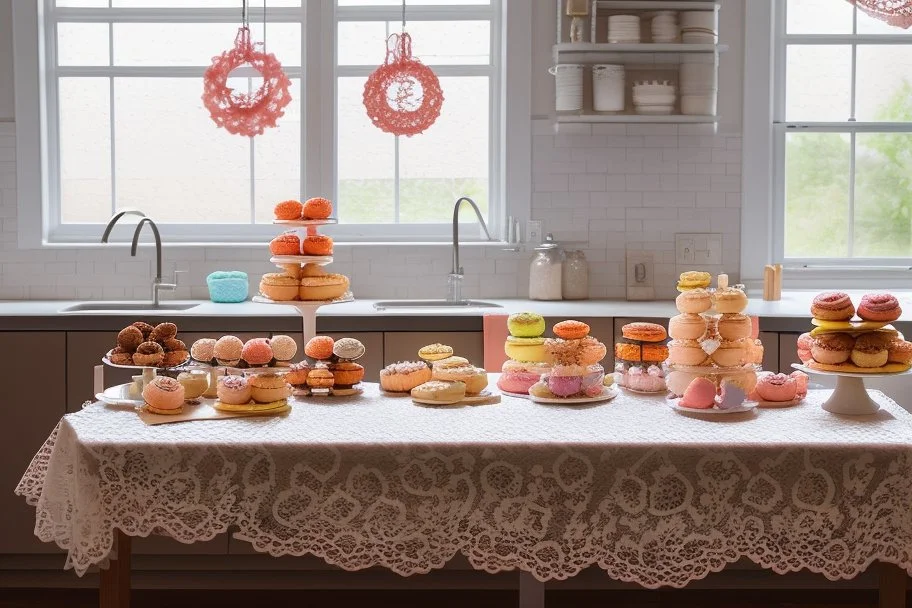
[
  {"x": 347, "y": 297},
  {"x": 608, "y": 393},
  {"x": 107, "y": 361},
  {"x": 330, "y": 220},
  {"x": 119, "y": 395},
  {"x": 321, "y": 260},
  {"x": 747, "y": 406},
  {"x": 811, "y": 370}
]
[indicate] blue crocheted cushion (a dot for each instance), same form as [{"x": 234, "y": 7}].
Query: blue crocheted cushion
[{"x": 227, "y": 286}]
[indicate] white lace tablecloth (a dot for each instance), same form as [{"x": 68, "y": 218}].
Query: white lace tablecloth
[{"x": 645, "y": 493}]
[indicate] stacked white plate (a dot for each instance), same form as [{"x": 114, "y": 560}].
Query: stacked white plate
[
  {"x": 699, "y": 85},
  {"x": 665, "y": 26},
  {"x": 624, "y": 29},
  {"x": 653, "y": 97},
  {"x": 698, "y": 27}
]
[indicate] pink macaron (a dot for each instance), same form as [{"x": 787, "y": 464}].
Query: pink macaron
[
  {"x": 776, "y": 388},
  {"x": 699, "y": 395},
  {"x": 257, "y": 351}
]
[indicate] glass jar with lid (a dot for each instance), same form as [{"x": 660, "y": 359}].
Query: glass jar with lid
[
  {"x": 575, "y": 276},
  {"x": 545, "y": 271}
]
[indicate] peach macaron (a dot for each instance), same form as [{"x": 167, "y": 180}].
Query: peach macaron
[
  {"x": 319, "y": 347},
  {"x": 832, "y": 349},
  {"x": 571, "y": 330},
  {"x": 286, "y": 243},
  {"x": 686, "y": 326},
  {"x": 317, "y": 208},
  {"x": 257, "y": 351},
  {"x": 288, "y": 210},
  {"x": 317, "y": 244},
  {"x": 164, "y": 396}
]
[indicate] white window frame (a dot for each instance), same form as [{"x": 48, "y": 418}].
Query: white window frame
[
  {"x": 510, "y": 157},
  {"x": 765, "y": 129}
]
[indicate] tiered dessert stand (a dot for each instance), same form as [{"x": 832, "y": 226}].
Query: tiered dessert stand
[
  {"x": 307, "y": 308},
  {"x": 850, "y": 397}
]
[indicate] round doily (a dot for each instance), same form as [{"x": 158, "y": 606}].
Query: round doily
[
  {"x": 402, "y": 96},
  {"x": 245, "y": 113}
]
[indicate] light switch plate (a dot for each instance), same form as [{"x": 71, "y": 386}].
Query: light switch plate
[
  {"x": 698, "y": 249},
  {"x": 640, "y": 276}
]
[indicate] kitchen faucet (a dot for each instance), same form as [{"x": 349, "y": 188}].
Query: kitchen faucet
[
  {"x": 157, "y": 284},
  {"x": 454, "y": 281}
]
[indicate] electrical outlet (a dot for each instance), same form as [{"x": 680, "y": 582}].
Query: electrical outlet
[
  {"x": 684, "y": 246},
  {"x": 698, "y": 249},
  {"x": 534, "y": 232},
  {"x": 640, "y": 276}
]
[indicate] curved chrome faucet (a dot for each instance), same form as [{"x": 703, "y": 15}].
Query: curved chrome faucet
[
  {"x": 157, "y": 284},
  {"x": 454, "y": 281}
]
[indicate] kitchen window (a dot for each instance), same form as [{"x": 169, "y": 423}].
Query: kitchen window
[
  {"x": 123, "y": 126},
  {"x": 842, "y": 137}
]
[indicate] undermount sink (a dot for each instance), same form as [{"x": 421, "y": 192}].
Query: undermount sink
[
  {"x": 127, "y": 306},
  {"x": 434, "y": 304}
]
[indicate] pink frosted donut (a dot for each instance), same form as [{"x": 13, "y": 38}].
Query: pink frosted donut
[
  {"x": 518, "y": 377},
  {"x": 801, "y": 379},
  {"x": 776, "y": 387},
  {"x": 880, "y": 307},
  {"x": 805, "y": 341},
  {"x": 164, "y": 394}
]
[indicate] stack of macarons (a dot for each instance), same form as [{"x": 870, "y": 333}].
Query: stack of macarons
[
  {"x": 306, "y": 283},
  {"x": 576, "y": 371},
  {"x": 869, "y": 344},
  {"x": 330, "y": 369},
  {"x": 231, "y": 351},
  {"x": 639, "y": 356},
  {"x": 316, "y": 208},
  {"x": 453, "y": 378},
  {"x": 141, "y": 344},
  {"x": 525, "y": 348},
  {"x": 257, "y": 393}
]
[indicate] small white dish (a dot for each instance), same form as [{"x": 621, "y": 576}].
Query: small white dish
[
  {"x": 675, "y": 404},
  {"x": 119, "y": 395}
]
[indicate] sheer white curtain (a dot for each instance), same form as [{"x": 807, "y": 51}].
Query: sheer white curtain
[{"x": 894, "y": 12}]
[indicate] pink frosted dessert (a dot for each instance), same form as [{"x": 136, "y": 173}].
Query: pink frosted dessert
[
  {"x": 518, "y": 377},
  {"x": 649, "y": 380},
  {"x": 700, "y": 395},
  {"x": 593, "y": 380},
  {"x": 566, "y": 380}
]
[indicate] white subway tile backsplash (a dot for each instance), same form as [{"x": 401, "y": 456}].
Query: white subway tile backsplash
[{"x": 603, "y": 188}]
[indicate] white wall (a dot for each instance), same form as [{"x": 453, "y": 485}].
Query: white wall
[
  {"x": 605, "y": 189},
  {"x": 6, "y": 61}
]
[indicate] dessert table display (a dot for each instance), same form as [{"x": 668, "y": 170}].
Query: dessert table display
[{"x": 647, "y": 494}]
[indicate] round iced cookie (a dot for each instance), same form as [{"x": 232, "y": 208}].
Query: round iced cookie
[{"x": 526, "y": 324}]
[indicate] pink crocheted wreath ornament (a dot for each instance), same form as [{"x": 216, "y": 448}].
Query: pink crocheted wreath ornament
[
  {"x": 897, "y": 13},
  {"x": 402, "y": 96},
  {"x": 245, "y": 113}
]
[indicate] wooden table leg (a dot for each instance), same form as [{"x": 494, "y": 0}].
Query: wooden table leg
[
  {"x": 531, "y": 591},
  {"x": 114, "y": 586},
  {"x": 892, "y": 588}
]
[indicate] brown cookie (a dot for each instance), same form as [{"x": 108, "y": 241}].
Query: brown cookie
[
  {"x": 163, "y": 331},
  {"x": 129, "y": 338}
]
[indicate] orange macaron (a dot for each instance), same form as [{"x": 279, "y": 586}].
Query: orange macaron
[
  {"x": 285, "y": 244},
  {"x": 317, "y": 244},
  {"x": 288, "y": 210},
  {"x": 319, "y": 347},
  {"x": 571, "y": 330},
  {"x": 317, "y": 208}
]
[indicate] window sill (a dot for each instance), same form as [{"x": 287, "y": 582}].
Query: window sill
[{"x": 842, "y": 277}]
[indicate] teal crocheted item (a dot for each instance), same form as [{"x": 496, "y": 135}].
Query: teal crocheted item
[{"x": 227, "y": 286}]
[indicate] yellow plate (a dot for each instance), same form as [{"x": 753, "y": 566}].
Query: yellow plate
[
  {"x": 818, "y": 331},
  {"x": 848, "y": 325},
  {"x": 273, "y": 406},
  {"x": 889, "y": 368}
]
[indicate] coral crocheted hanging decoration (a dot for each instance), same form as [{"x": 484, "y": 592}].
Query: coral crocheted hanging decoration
[
  {"x": 402, "y": 96},
  {"x": 246, "y": 113},
  {"x": 897, "y": 13}
]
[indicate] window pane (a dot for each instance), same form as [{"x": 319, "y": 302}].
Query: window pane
[
  {"x": 448, "y": 160},
  {"x": 196, "y": 3},
  {"x": 818, "y": 17},
  {"x": 82, "y": 44},
  {"x": 171, "y": 160},
  {"x": 870, "y": 25},
  {"x": 433, "y": 42},
  {"x": 816, "y": 194},
  {"x": 195, "y": 44},
  {"x": 883, "y": 195},
  {"x": 277, "y": 159},
  {"x": 818, "y": 83},
  {"x": 85, "y": 149},
  {"x": 82, "y": 3},
  {"x": 411, "y": 2},
  {"x": 883, "y": 92},
  {"x": 366, "y": 160}
]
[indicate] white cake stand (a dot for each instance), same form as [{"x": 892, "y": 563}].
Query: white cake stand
[
  {"x": 850, "y": 397},
  {"x": 308, "y": 310}
]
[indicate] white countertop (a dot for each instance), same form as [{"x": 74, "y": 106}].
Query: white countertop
[{"x": 794, "y": 304}]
